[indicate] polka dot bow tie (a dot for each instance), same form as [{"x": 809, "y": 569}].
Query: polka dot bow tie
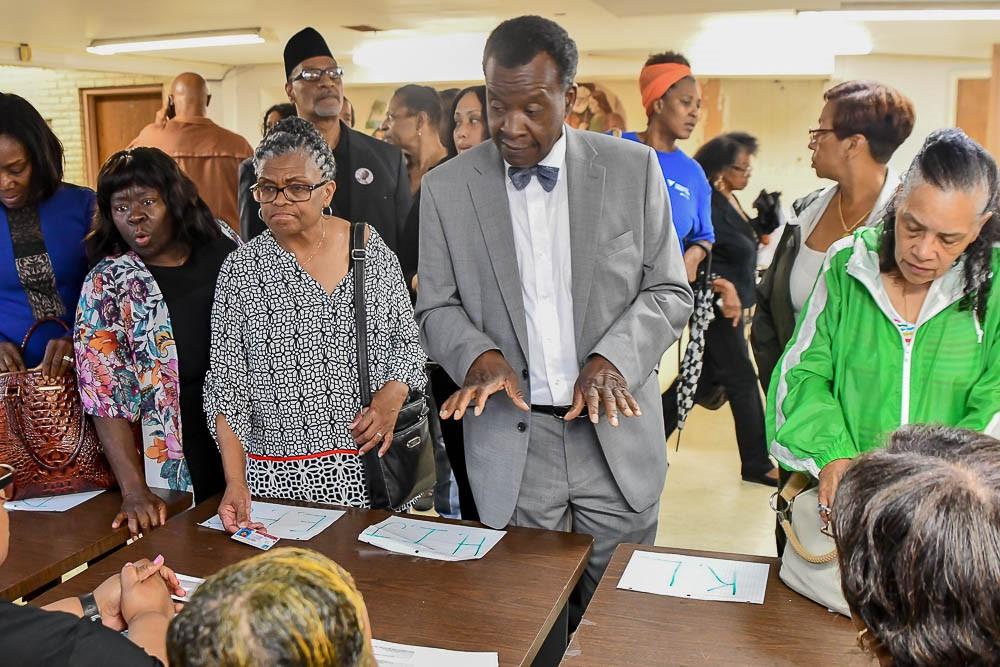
[{"x": 547, "y": 176}]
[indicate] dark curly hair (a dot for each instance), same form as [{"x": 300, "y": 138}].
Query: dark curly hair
[
  {"x": 194, "y": 223},
  {"x": 917, "y": 527},
  {"x": 950, "y": 160},
  {"x": 721, "y": 152},
  {"x": 284, "y": 109},
  {"x": 517, "y": 41},
  {"x": 288, "y": 606},
  {"x": 20, "y": 120}
]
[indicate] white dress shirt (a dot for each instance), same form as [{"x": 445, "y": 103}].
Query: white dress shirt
[{"x": 542, "y": 243}]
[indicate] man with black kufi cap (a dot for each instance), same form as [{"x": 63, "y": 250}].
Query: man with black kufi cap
[{"x": 372, "y": 183}]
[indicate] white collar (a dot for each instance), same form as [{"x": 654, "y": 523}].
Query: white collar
[
  {"x": 808, "y": 218},
  {"x": 555, "y": 158}
]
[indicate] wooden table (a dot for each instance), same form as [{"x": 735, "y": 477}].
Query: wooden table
[
  {"x": 508, "y": 601},
  {"x": 46, "y": 545},
  {"x": 631, "y": 628}
]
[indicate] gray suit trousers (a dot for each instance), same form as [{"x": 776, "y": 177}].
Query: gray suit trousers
[{"x": 567, "y": 485}]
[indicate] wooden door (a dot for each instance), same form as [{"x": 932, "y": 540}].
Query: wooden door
[
  {"x": 113, "y": 117},
  {"x": 972, "y": 107}
]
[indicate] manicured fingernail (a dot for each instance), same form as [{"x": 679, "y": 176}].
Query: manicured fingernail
[
  {"x": 129, "y": 564},
  {"x": 158, "y": 560}
]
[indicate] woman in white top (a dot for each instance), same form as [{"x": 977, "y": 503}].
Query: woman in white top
[{"x": 861, "y": 125}]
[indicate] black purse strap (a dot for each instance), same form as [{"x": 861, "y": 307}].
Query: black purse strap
[{"x": 358, "y": 256}]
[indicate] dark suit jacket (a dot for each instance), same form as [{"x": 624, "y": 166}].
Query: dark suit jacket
[{"x": 383, "y": 203}]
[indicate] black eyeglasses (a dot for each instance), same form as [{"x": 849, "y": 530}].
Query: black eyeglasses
[
  {"x": 264, "y": 193},
  {"x": 313, "y": 75},
  {"x": 6, "y": 479}
]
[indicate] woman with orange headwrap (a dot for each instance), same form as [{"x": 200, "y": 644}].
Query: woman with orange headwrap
[{"x": 672, "y": 100}]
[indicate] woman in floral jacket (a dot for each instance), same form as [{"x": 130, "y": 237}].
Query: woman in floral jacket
[{"x": 142, "y": 331}]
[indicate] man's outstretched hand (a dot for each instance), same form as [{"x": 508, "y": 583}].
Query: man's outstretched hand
[
  {"x": 601, "y": 384},
  {"x": 488, "y": 374}
]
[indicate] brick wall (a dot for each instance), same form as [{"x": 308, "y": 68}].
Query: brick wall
[{"x": 56, "y": 95}]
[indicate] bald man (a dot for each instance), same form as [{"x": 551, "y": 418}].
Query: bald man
[{"x": 208, "y": 154}]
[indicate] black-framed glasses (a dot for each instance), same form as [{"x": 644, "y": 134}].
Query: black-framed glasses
[
  {"x": 743, "y": 170},
  {"x": 265, "y": 193},
  {"x": 312, "y": 75},
  {"x": 818, "y": 132},
  {"x": 6, "y": 479}
]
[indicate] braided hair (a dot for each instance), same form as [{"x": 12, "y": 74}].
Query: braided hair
[
  {"x": 291, "y": 135},
  {"x": 950, "y": 160}
]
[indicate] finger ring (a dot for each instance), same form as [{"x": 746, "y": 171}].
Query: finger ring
[
  {"x": 378, "y": 435},
  {"x": 68, "y": 359},
  {"x": 823, "y": 508}
]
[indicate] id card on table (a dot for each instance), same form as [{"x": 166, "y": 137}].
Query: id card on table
[{"x": 255, "y": 538}]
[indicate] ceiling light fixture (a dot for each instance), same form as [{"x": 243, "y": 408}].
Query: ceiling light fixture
[
  {"x": 190, "y": 40},
  {"x": 903, "y": 15}
]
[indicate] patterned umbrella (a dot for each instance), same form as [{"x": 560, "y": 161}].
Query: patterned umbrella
[{"x": 690, "y": 368}]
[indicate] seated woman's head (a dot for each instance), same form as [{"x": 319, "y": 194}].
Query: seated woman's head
[
  {"x": 288, "y": 606},
  {"x": 296, "y": 174},
  {"x": 31, "y": 156},
  {"x": 146, "y": 204},
  {"x": 945, "y": 210},
  {"x": 918, "y": 538},
  {"x": 860, "y": 120}
]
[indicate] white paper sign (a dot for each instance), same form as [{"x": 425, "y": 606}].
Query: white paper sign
[
  {"x": 51, "y": 503},
  {"x": 286, "y": 521},
  {"x": 693, "y": 577},
  {"x": 388, "y": 654},
  {"x": 440, "y": 541}
]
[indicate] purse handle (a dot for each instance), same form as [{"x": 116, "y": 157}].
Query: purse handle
[
  {"x": 796, "y": 484},
  {"x": 358, "y": 256},
  {"x": 34, "y": 328}
]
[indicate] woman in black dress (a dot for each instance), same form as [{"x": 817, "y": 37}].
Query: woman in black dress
[
  {"x": 727, "y": 366},
  {"x": 143, "y": 331}
]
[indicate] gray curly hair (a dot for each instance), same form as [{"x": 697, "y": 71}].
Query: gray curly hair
[{"x": 295, "y": 134}]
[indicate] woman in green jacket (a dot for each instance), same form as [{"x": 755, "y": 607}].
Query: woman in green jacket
[{"x": 903, "y": 325}]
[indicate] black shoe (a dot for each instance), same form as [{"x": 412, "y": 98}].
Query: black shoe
[
  {"x": 425, "y": 502},
  {"x": 762, "y": 478}
]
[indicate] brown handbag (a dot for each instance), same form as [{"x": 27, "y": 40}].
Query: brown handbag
[{"x": 45, "y": 436}]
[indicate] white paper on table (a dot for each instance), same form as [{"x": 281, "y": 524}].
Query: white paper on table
[
  {"x": 189, "y": 584},
  {"x": 692, "y": 577},
  {"x": 52, "y": 503},
  {"x": 286, "y": 521},
  {"x": 389, "y": 654},
  {"x": 428, "y": 539}
]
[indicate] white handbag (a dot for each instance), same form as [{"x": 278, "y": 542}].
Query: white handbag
[{"x": 809, "y": 564}]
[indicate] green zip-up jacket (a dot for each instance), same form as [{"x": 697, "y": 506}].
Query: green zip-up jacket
[{"x": 847, "y": 378}]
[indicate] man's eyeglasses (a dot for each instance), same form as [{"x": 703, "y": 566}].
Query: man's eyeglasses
[
  {"x": 313, "y": 75},
  {"x": 6, "y": 479},
  {"x": 818, "y": 132},
  {"x": 264, "y": 193}
]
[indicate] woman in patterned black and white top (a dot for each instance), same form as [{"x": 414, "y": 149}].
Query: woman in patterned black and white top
[{"x": 282, "y": 394}]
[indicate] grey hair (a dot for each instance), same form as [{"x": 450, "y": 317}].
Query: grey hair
[{"x": 290, "y": 135}]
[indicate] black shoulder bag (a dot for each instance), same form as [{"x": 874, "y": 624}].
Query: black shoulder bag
[{"x": 407, "y": 469}]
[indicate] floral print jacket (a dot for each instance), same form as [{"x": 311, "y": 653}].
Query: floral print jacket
[{"x": 126, "y": 361}]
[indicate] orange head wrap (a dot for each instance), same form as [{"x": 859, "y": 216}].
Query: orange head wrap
[{"x": 655, "y": 80}]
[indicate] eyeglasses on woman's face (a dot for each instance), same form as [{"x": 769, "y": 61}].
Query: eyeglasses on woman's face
[
  {"x": 816, "y": 134},
  {"x": 266, "y": 193}
]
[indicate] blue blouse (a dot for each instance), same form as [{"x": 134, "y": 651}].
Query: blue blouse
[
  {"x": 690, "y": 195},
  {"x": 65, "y": 219}
]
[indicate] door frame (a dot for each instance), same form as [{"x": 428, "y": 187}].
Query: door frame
[{"x": 88, "y": 102}]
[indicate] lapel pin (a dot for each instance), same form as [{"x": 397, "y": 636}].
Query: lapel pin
[{"x": 364, "y": 176}]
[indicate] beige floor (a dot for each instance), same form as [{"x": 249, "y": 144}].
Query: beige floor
[{"x": 705, "y": 504}]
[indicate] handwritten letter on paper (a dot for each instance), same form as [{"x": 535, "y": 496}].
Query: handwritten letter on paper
[
  {"x": 693, "y": 577},
  {"x": 440, "y": 541}
]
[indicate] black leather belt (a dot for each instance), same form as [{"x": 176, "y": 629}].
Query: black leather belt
[{"x": 557, "y": 411}]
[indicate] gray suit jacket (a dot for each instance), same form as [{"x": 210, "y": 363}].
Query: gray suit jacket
[{"x": 630, "y": 301}]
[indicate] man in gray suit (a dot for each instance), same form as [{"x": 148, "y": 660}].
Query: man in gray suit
[{"x": 548, "y": 261}]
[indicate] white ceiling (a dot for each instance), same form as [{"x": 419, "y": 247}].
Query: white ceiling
[{"x": 605, "y": 30}]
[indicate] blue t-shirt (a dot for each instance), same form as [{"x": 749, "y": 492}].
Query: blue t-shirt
[
  {"x": 65, "y": 219},
  {"x": 690, "y": 195}
]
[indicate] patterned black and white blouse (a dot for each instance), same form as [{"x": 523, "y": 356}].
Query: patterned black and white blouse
[{"x": 284, "y": 366}]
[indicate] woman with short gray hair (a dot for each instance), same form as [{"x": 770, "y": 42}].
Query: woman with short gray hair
[{"x": 282, "y": 396}]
